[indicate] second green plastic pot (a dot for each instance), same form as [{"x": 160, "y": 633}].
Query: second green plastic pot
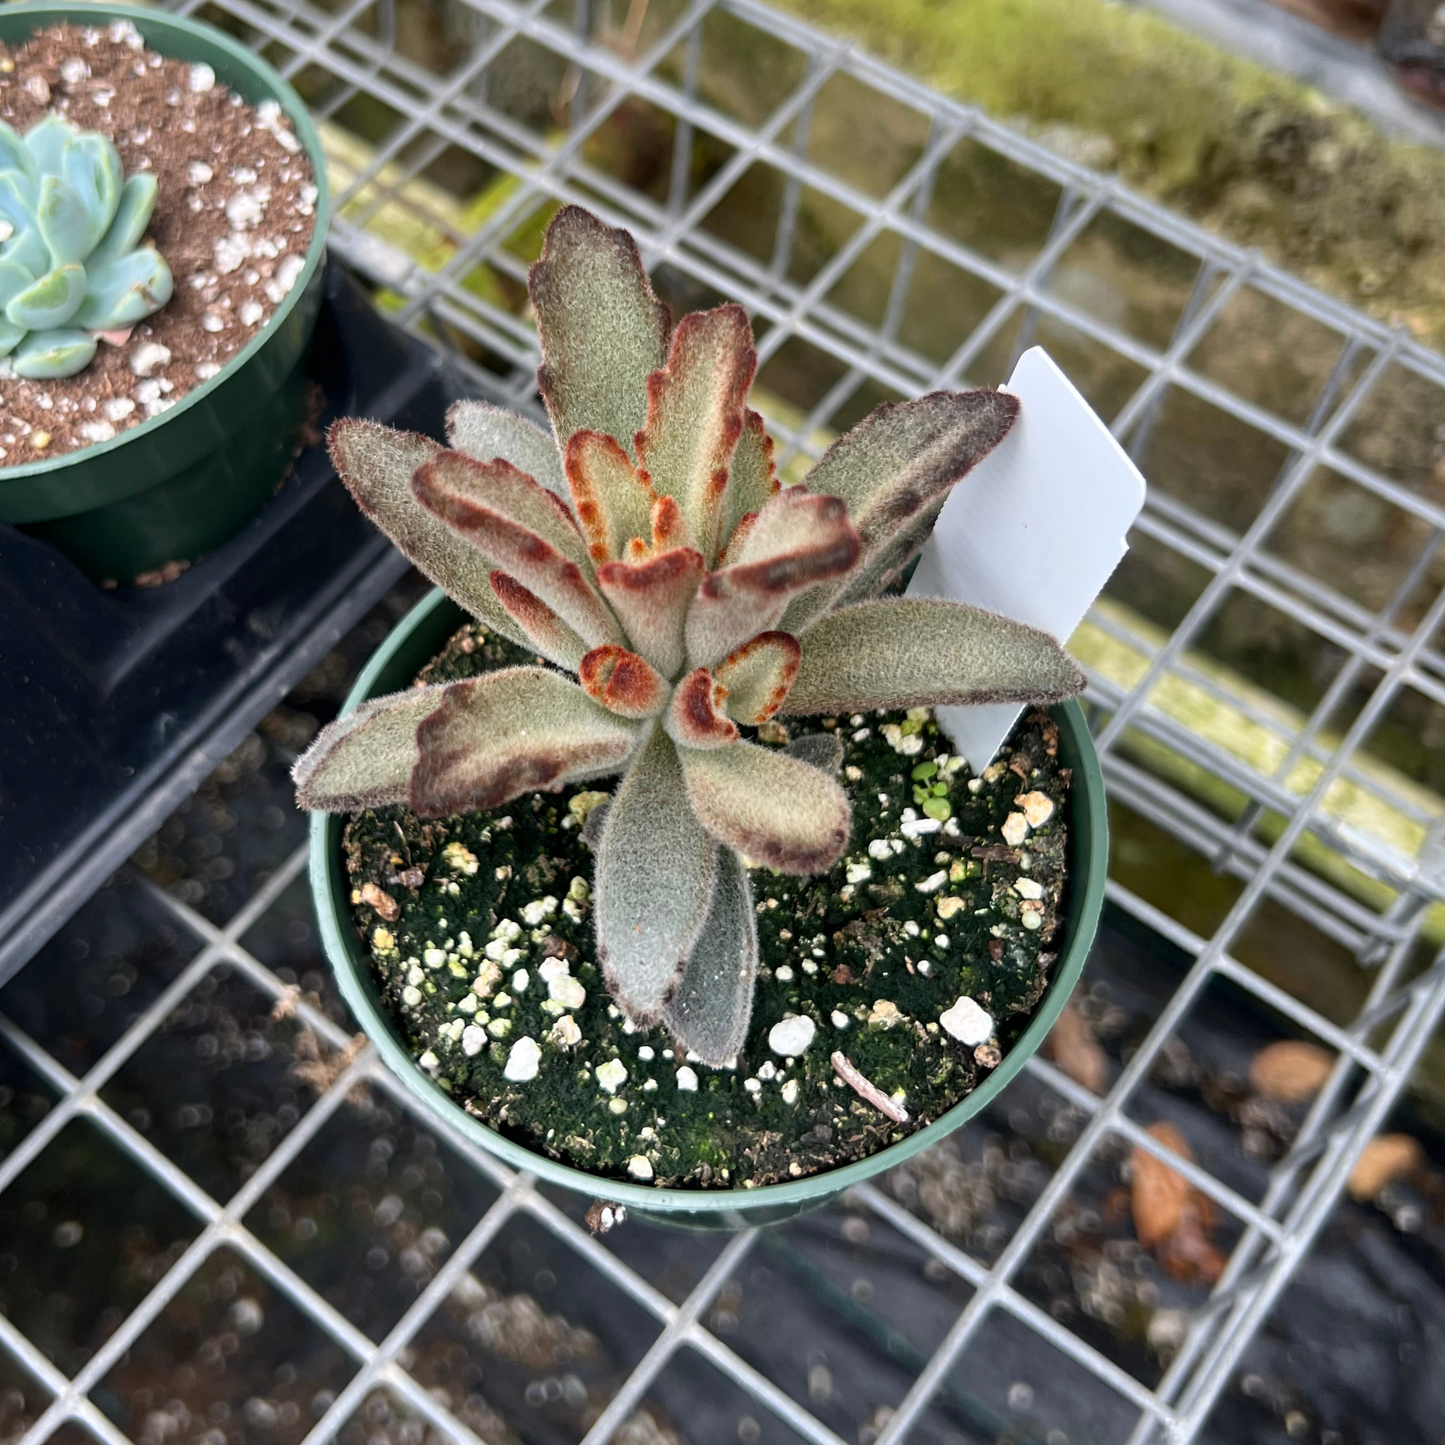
[
  {"x": 418, "y": 638},
  {"x": 178, "y": 485}
]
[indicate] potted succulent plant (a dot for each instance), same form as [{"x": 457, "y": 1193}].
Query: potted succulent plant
[
  {"x": 163, "y": 212},
  {"x": 794, "y": 941}
]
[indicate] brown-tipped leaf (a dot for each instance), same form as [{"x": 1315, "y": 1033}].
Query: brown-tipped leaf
[
  {"x": 622, "y": 682},
  {"x": 510, "y": 732},
  {"x": 694, "y": 417},
  {"x": 603, "y": 330},
  {"x": 772, "y": 808},
  {"x": 650, "y": 599},
  {"x": 901, "y": 457},
  {"x": 376, "y": 463},
  {"x": 752, "y": 477},
  {"x": 758, "y": 675},
  {"x": 485, "y": 432},
  {"x": 452, "y": 477},
  {"x": 612, "y": 502},
  {"x": 653, "y": 881},
  {"x": 710, "y": 1012},
  {"x": 365, "y": 759},
  {"x": 797, "y": 541},
  {"x": 522, "y": 528},
  {"x": 669, "y": 528},
  {"x": 542, "y": 628},
  {"x": 696, "y": 716},
  {"x": 915, "y": 652}
]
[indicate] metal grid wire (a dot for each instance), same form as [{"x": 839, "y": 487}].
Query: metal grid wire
[{"x": 351, "y": 65}]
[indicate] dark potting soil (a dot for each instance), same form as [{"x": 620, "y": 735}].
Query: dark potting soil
[
  {"x": 235, "y": 212},
  {"x": 919, "y": 956}
]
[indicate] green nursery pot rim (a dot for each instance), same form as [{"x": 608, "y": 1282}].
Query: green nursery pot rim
[
  {"x": 155, "y": 25},
  {"x": 1088, "y": 870}
]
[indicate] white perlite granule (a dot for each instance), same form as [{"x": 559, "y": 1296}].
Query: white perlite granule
[
  {"x": 522, "y": 1060},
  {"x": 148, "y": 356},
  {"x": 967, "y": 1022},
  {"x": 792, "y": 1036}
]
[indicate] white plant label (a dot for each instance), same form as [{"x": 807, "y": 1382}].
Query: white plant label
[{"x": 1034, "y": 531}]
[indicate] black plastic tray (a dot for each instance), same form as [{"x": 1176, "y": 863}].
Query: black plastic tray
[{"x": 116, "y": 705}]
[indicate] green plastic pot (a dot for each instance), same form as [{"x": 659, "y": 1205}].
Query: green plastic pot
[
  {"x": 179, "y": 484},
  {"x": 413, "y": 643}
]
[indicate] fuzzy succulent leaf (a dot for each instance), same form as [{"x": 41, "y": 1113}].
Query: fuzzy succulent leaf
[
  {"x": 921, "y": 651},
  {"x": 695, "y": 411},
  {"x": 515, "y": 731},
  {"x": 124, "y": 291},
  {"x": 669, "y": 528},
  {"x": 132, "y": 215},
  {"x": 522, "y": 528},
  {"x": 650, "y": 600},
  {"x": 796, "y": 542},
  {"x": 622, "y": 682},
  {"x": 376, "y": 462},
  {"x": 50, "y": 302},
  {"x": 603, "y": 330},
  {"x": 365, "y": 759},
  {"x": 770, "y": 807},
  {"x": 710, "y": 1012},
  {"x": 541, "y": 627},
  {"x": 483, "y": 432},
  {"x": 497, "y": 485},
  {"x": 696, "y": 715},
  {"x": 823, "y": 751},
  {"x": 613, "y": 503},
  {"x": 11, "y": 336},
  {"x": 49, "y": 355},
  {"x": 897, "y": 460},
  {"x": 752, "y": 477},
  {"x": 758, "y": 675},
  {"x": 881, "y": 566},
  {"x": 654, "y": 881}
]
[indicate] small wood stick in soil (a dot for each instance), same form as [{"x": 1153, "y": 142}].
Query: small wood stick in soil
[{"x": 869, "y": 1093}]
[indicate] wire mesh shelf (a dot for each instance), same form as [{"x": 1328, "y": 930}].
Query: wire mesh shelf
[{"x": 1267, "y": 687}]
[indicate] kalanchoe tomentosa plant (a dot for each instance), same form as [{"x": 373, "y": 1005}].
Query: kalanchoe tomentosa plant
[
  {"x": 70, "y": 260},
  {"x": 652, "y": 552}
]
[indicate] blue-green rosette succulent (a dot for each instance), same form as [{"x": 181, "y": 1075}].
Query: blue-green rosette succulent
[{"x": 70, "y": 260}]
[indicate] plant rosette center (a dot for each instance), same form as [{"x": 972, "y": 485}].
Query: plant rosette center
[{"x": 918, "y": 956}]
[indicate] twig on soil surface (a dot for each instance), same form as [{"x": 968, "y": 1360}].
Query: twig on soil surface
[{"x": 869, "y": 1093}]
